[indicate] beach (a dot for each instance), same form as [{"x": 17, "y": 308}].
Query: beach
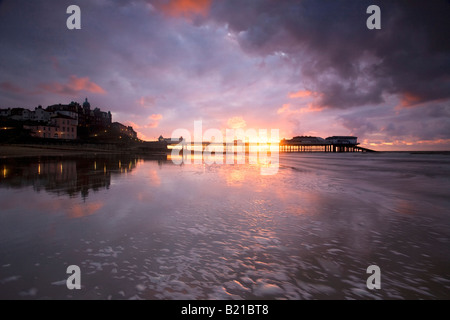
[
  {"x": 149, "y": 229},
  {"x": 11, "y": 151}
]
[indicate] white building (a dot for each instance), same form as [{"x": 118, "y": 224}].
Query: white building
[
  {"x": 59, "y": 127},
  {"x": 20, "y": 114},
  {"x": 66, "y": 126},
  {"x": 5, "y": 112},
  {"x": 40, "y": 114}
]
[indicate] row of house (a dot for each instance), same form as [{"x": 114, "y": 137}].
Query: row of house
[
  {"x": 123, "y": 130},
  {"x": 58, "y": 127},
  {"x": 61, "y": 121},
  {"x": 22, "y": 114},
  {"x": 44, "y": 123}
]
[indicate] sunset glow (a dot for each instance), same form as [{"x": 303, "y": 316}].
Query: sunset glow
[{"x": 303, "y": 67}]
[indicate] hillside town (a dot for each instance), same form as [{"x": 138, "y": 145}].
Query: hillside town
[{"x": 64, "y": 122}]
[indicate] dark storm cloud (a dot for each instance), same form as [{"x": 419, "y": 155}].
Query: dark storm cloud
[
  {"x": 336, "y": 54},
  {"x": 416, "y": 124}
]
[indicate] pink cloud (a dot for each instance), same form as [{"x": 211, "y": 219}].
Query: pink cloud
[
  {"x": 410, "y": 99},
  {"x": 236, "y": 123},
  {"x": 285, "y": 108},
  {"x": 154, "y": 120},
  {"x": 288, "y": 110},
  {"x": 301, "y": 94},
  {"x": 186, "y": 8},
  {"x": 132, "y": 124},
  {"x": 155, "y": 117},
  {"x": 11, "y": 87},
  {"x": 73, "y": 86}
]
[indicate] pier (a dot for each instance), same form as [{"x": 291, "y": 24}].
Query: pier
[
  {"x": 317, "y": 144},
  {"x": 296, "y": 144}
]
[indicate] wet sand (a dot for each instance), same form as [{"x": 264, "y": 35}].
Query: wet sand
[
  {"x": 12, "y": 151},
  {"x": 150, "y": 229}
]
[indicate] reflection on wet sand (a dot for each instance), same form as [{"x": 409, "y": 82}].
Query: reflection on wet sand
[{"x": 70, "y": 176}]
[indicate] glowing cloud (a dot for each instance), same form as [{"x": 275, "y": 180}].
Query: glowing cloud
[
  {"x": 185, "y": 8},
  {"x": 286, "y": 108},
  {"x": 236, "y": 123},
  {"x": 73, "y": 86},
  {"x": 301, "y": 94},
  {"x": 154, "y": 120},
  {"x": 410, "y": 99}
]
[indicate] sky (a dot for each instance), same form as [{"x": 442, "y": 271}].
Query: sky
[{"x": 305, "y": 67}]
